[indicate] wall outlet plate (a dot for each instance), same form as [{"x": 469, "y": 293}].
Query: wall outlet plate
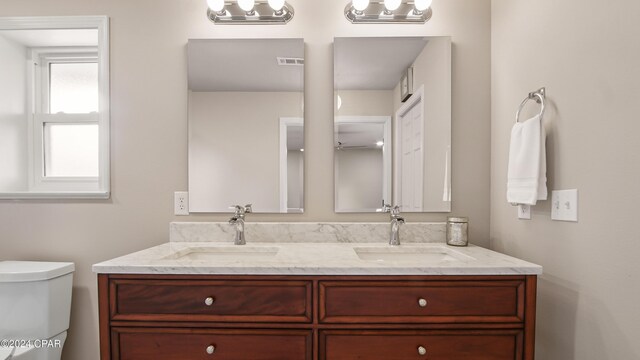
[
  {"x": 181, "y": 203},
  {"x": 564, "y": 205},
  {"x": 524, "y": 212}
]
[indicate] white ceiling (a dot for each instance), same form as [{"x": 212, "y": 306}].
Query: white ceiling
[
  {"x": 244, "y": 65},
  {"x": 361, "y": 135},
  {"x": 53, "y": 37},
  {"x": 373, "y": 63}
]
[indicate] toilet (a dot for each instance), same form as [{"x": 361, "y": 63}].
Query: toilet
[{"x": 35, "y": 305}]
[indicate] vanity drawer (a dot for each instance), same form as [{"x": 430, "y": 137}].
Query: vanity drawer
[
  {"x": 220, "y": 301},
  {"x": 421, "y": 301},
  {"x": 417, "y": 345},
  {"x": 172, "y": 344}
]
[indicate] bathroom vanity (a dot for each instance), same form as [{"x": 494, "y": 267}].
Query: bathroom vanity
[
  {"x": 316, "y": 300},
  {"x": 316, "y": 317}
]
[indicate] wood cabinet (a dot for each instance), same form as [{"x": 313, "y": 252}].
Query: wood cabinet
[
  {"x": 316, "y": 317},
  {"x": 177, "y": 344},
  {"x": 431, "y": 344}
]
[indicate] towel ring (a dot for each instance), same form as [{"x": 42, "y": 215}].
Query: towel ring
[{"x": 539, "y": 96}]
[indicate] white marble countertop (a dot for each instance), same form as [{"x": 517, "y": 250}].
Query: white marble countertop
[{"x": 302, "y": 258}]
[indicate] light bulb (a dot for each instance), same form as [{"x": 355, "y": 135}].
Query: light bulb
[
  {"x": 276, "y": 5},
  {"x": 380, "y": 143},
  {"x": 246, "y": 5},
  {"x": 392, "y": 4},
  {"x": 216, "y": 5},
  {"x": 422, "y": 5},
  {"x": 360, "y": 5}
]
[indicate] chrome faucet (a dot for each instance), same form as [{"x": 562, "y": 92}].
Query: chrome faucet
[
  {"x": 238, "y": 220},
  {"x": 396, "y": 221}
]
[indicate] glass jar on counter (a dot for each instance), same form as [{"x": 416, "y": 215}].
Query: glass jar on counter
[{"x": 457, "y": 231}]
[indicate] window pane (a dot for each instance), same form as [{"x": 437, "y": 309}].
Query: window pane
[
  {"x": 73, "y": 88},
  {"x": 71, "y": 150}
]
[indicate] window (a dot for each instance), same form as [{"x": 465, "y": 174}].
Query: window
[
  {"x": 73, "y": 87},
  {"x": 71, "y": 150},
  {"x": 57, "y": 145},
  {"x": 65, "y": 123}
]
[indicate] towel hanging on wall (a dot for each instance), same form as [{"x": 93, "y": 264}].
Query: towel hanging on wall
[{"x": 527, "y": 172}]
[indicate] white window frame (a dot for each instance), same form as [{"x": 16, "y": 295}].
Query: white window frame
[
  {"x": 42, "y": 60},
  {"x": 41, "y": 187}
]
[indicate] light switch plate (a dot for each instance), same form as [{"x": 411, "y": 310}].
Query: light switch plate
[
  {"x": 181, "y": 203},
  {"x": 564, "y": 205},
  {"x": 524, "y": 212}
]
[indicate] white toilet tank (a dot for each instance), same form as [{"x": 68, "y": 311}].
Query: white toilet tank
[{"x": 35, "y": 299}]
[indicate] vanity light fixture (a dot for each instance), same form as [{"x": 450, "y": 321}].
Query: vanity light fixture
[
  {"x": 277, "y": 6},
  {"x": 391, "y": 5},
  {"x": 247, "y": 5},
  {"x": 388, "y": 11},
  {"x": 421, "y": 5},
  {"x": 244, "y": 12},
  {"x": 216, "y": 5},
  {"x": 360, "y": 5}
]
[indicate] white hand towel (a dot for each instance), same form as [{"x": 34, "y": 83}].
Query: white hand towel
[{"x": 527, "y": 174}]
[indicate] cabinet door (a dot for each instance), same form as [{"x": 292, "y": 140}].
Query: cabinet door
[
  {"x": 421, "y": 345},
  {"x": 203, "y": 344}
]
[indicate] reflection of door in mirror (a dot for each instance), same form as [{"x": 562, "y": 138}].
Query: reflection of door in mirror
[
  {"x": 246, "y": 128},
  {"x": 54, "y": 114},
  {"x": 291, "y": 165},
  {"x": 369, "y": 77},
  {"x": 410, "y": 154}
]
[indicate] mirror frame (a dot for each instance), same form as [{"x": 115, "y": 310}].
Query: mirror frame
[{"x": 101, "y": 23}]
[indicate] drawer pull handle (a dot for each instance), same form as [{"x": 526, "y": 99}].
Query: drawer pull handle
[
  {"x": 422, "y": 302},
  {"x": 422, "y": 350},
  {"x": 209, "y": 301},
  {"x": 211, "y": 349}
]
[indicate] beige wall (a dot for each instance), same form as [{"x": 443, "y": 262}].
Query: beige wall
[
  {"x": 295, "y": 179},
  {"x": 359, "y": 178},
  {"x": 13, "y": 117},
  {"x": 234, "y": 148},
  {"x": 587, "y": 54},
  {"x": 365, "y": 103},
  {"x": 149, "y": 132}
]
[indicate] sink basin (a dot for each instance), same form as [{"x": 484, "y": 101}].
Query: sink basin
[
  {"x": 204, "y": 253},
  {"x": 414, "y": 254}
]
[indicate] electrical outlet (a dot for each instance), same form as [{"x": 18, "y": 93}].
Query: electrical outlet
[
  {"x": 524, "y": 212},
  {"x": 564, "y": 205},
  {"x": 181, "y": 203}
]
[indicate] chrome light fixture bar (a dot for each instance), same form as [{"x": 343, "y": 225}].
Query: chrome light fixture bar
[
  {"x": 258, "y": 13},
  {"x": 378, "y": 12}
]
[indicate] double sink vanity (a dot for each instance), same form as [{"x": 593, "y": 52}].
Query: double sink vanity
[
  {"x": 316, "y": 291},
  {"x": 285, "y": 291}
]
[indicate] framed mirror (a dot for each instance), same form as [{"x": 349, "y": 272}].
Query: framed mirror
[
  {"x": 54, "y": 116},
  {"x": 392, "y": 125},
  {"x": 246, "y": 125}
]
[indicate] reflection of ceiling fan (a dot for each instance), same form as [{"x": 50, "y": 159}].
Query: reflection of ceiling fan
[{"x": 342, "y": 146}]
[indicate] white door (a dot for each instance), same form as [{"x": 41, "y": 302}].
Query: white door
[{"x": 410, "y": 169}]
